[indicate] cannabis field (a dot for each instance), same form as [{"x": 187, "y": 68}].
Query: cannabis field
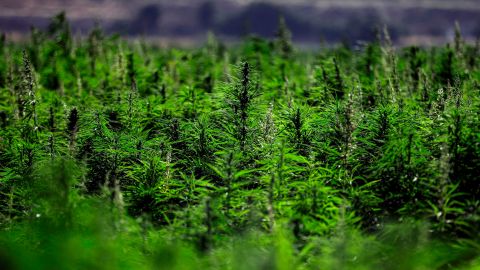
[{"x": 120, "y": 154}]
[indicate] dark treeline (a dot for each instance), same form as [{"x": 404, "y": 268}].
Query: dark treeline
[
  {"x": 118, "y": 154},
  {"x": 308, "y": 22}
]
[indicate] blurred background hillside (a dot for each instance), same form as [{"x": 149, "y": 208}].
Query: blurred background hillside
[{"x": 409, "y": 21}]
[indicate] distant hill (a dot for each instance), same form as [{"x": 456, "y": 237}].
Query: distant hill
[{"x": 420, "y": 21}]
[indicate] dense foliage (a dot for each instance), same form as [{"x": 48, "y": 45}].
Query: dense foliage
[{"x": 117, "y": 154}]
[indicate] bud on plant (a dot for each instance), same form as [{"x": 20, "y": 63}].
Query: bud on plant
[
  {"x": 72, "y": 124},
  {"x": 51, "y": 120}
]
